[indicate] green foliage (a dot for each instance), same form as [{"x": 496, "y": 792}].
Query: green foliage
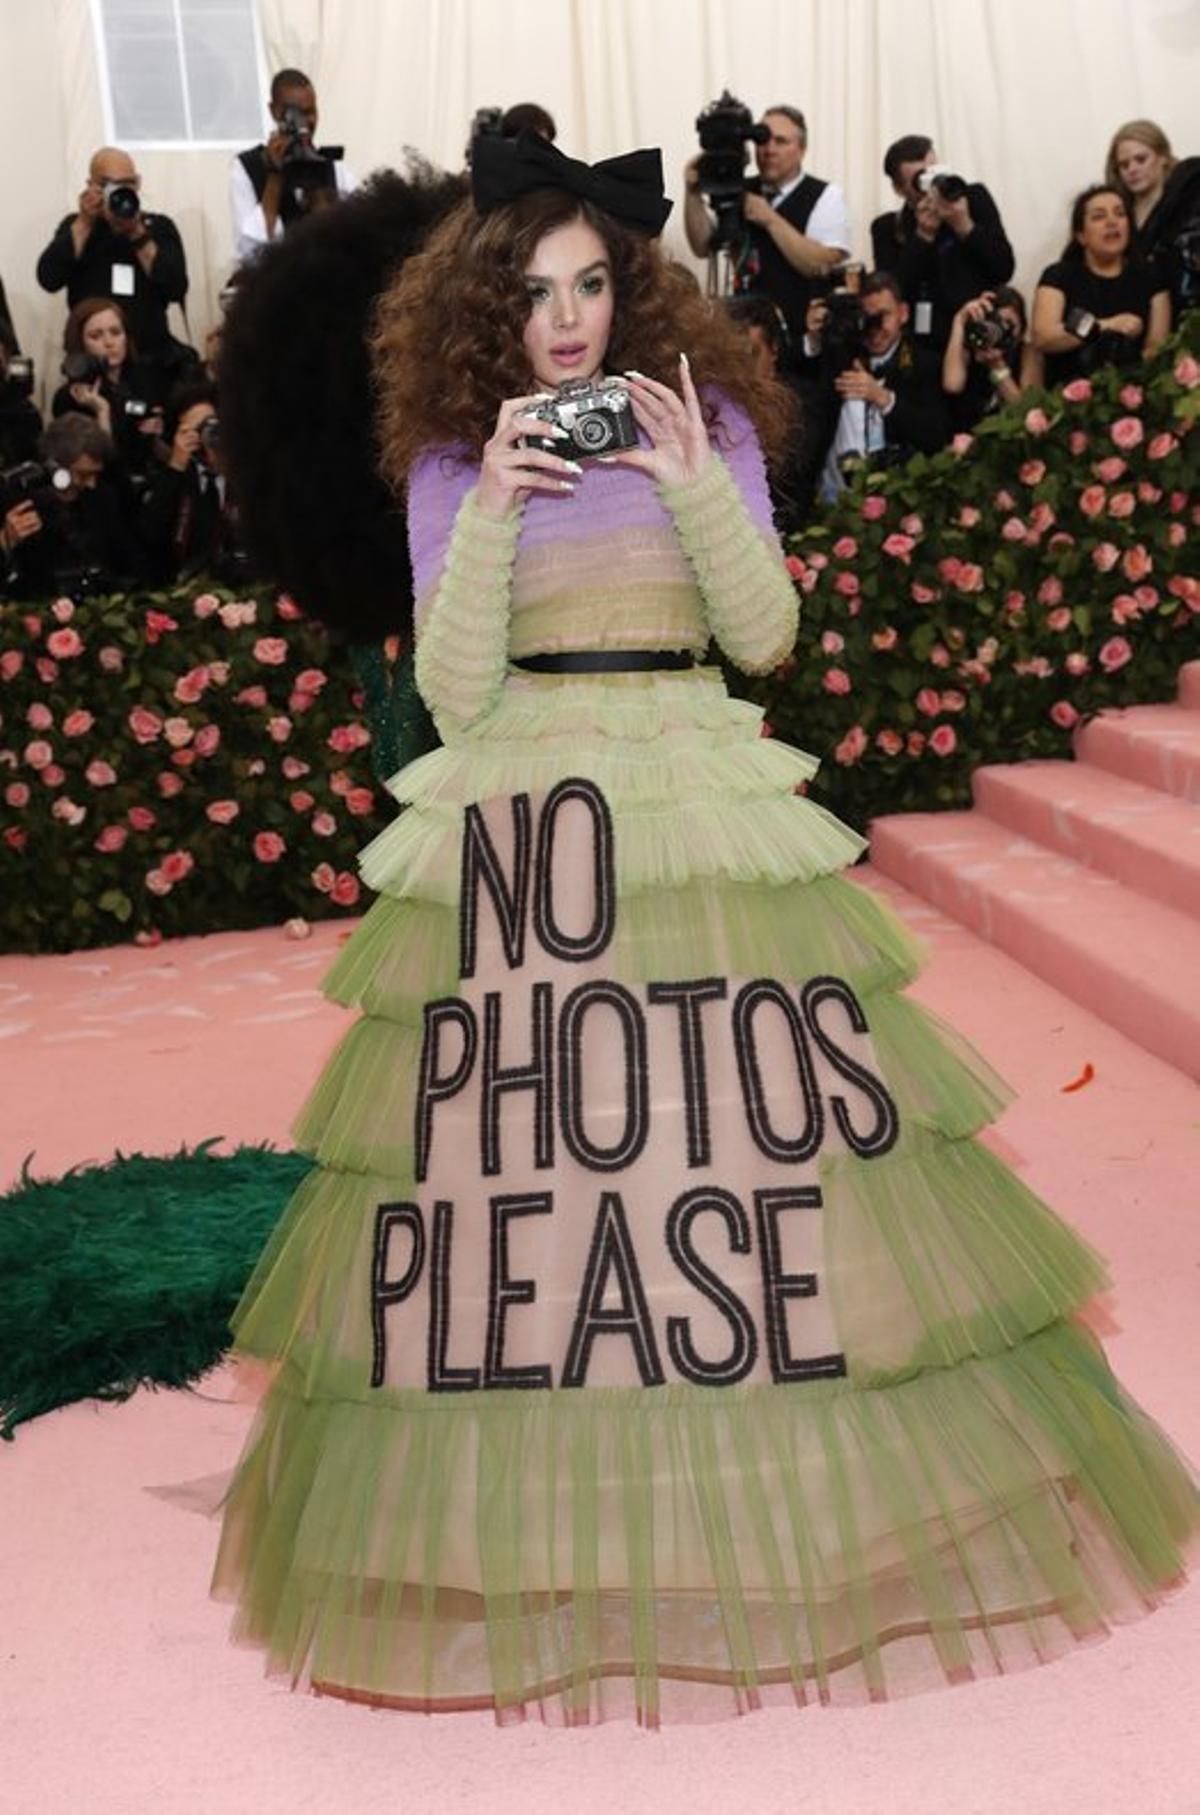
[
  {"x": 974, "y": 607},
  {"x": 176, "y": 762}
]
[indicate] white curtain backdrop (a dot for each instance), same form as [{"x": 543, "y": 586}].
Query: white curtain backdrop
[{"x": 1020, "y": 94}]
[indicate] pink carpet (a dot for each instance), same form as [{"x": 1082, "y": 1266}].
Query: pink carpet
[{"x": 119, "y": 1689}]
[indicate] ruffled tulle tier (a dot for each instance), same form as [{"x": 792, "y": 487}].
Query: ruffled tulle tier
[{"x": 689, "y": 1551}]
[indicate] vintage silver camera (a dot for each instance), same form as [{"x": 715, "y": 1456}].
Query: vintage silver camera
[{"x": 596, "y": 414}]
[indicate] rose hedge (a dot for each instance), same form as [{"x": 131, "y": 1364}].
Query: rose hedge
[
  {"x": 975, "y": 606},
  {"x": 176, "y": 762}
]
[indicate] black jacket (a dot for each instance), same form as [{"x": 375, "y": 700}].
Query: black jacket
[
  {"x": 944, "y": 272},
  {"x": 89, "y": 537},
  {"x": 760, "y": 266},
  {"x": 1177, "y": 212},
  {"x": 91, "y": 275},
  {"x": 184, "y": 524}
]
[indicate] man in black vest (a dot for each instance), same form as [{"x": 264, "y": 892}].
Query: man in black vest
[
  {"x": 797, "y": 228},
  {"x": 272, "y": 185}
]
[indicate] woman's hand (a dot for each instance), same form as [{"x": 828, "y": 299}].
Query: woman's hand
[
  {"x": 508, "y": 472},
  {"x": 91, "y": 398},
  {"x": 681, "y": 449},
  {"x": 1130, "y": 325}
]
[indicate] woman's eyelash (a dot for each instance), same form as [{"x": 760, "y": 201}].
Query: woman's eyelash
[{"x": 591, "y": 286}]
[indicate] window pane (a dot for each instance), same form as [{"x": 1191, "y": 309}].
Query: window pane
[
  {"x": 222, "y": 72},
  {"x": 143, "y": 69}
]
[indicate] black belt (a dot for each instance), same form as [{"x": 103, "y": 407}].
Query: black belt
[{"x": 605, "y": 661}]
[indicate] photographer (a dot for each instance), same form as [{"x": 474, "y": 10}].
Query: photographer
[
  {"x": 104, "y": 380},
  {"x": 945, "y": 244},
  {"x": 110, "y": 248},
  {"x": 188, "y": 519},
  {"x": 273, "y": 185},
  {"x": 64, "y": 528},
  {"x": 20, "y": 423},
  {"x": 1162, "y": 194},
  {"x": 882, "y": 392},
  {"x": 1099, "y": 305},
  {"x": 988, "y": 360},
  {"x": 795, "y": 229}
]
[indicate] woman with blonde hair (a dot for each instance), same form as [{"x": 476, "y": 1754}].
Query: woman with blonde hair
[{"x": 1162, "y": 193}]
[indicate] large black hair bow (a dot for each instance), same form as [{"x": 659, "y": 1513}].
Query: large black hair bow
[{"x": 630, "y": 187}]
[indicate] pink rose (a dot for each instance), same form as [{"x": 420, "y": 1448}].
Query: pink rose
[
  {"x": 272, "y": 652},
  {"x": 953, "y": 700},
  {"x": 1013, "y": 530},
  {"x": 142, "y": 819},
  {"x": 256, "y": 766},
  {"x": 360, "y": 801},
  {"x": 818, "y": 561},
  {"x": 1077, "y": 441},
  {"x": 340, "y": 782},
  {"x": 1014, "y": 603},
  {"x": 1161, "y": 446},
  {"x": 111, "y": 659},
  {"x": 940, "y": 656},
  {"x": 234, "y": 614},
  {"x": 324, "y": 825},
  {"x": 914, "y": 743},
  {"x": 66, "y": 809},
  {"x": 77, "y": 723},
  {"x": 269, "y": 847},
  {"x": 222, "y": 812},
  {"x": 1121, "y": 504},
  {"x": 922, "y": 595},
  {"x": 208, "y": 739},
  {"x": 323, "y": 878},
  {"x": 158, "y": 624},
  {"x": 183, "y": 759},
  {"x": 1105, "y": 556},
  {"x": 1114, "y": 654},
  {"x": 38, "y": 754},
  {"x": 177, "y": 864},
  {"x": 835, "y": 680},
  {"x": 39, "y": 717},
  {"x": 110, "y": 839},
  {"x": 16, "y": 837},
  {"x": 293, "y": 768},
  {"x": 899, "y": 547},
  {"x": 969, "y": 516},
  {"x": 170, "y": 784},
  {"x": 912, "y": 525},
  {"x": 890, "y": 742},
  {"x": 1032, "y": 472},
  {"x": 949, "y": 569},
  {"x": 1109, "y": 470},
  {"x": 100, "y": 774},
  {"x": 1040, "y": 519},
  {"x": 844, "y": 549},
  {"x": 279, "y": 728},
  {"x": 962, "y": 444},
  {"x": 11, "y": 663},
  {"x": 795, "y": 566},
  {"x": 929, "y": 702},
  {"x": 1131, "y": 397},
  {"x": 1184, "y": 586},
  {"x": 1125, "y": 609},
  {"x": 345, "y": 889},
  {"x": 63, "y": 610},
  {"x": 875, "y": 507},
  {"x": 1077, "y": 663},
  {"x": 206, "y": 605},
  {"x": 158, "y": 882},
  {"x": 1176, "y": 535},
  {"x": 1136, "y": 564},
  {"x": 1050, "y": 591},
  {"x": 145, "y": 725},
  {"x": 190, "y": 686},
  {"x": 286, "y": 607},
  {"x": 301, "y": 800},
  {"x": 886, "y": 638},
  {"x": 178, "y": 733},
  {"x": 1059, "y": 618},
  {"x": 1064, "y": 714},
  {"x": 1127, "y": 431},
  {"x": 17, "y": 794},
  {"x": 1036, "y": 423},
  {"x": 218, "y": 673},
  {"x": 832, "y": 643},
  {"x": 846, "y": 583},
  {"x": 251, "y": 696},
  {"x": 53, "y": 776},
  {"x": 148, "y": 936},
  {"x": 1146, "y": 596},
  {"x": 311, "y": 680},
  {"x": 63, "y": 644},
  {"x": 943, "y": 741},
  {"x": 300, "y": 702},
  {"x": 346, "y": 738},
  {"x": 1091, "y": 500},
  {"x": 1039, "y": 668},
  {"x": 1079, "y": 390},
  {"x": 1147, "y": 493},
  {"x": 852, "y": 746},
  {"x": 1187, "y": 372},
  {"x": 297, "y": 928}
]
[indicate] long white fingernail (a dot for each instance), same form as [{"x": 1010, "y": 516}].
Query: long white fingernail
[
  {"x": 684, "y": 361},
  {"x": 573, "y": 466}
]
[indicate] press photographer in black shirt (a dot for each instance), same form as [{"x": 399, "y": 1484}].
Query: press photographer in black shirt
[
  {"x": 103, "y": 378},
  {"x": 946, "y": 244},
  {"x": 275, "y": 184},
  {"x": 1100, "y": 304},
  {"x": 988, "y": 360},
  {"x": 65, "y": 529},
  {"x": 188, "y": 521},
  {"x": 20, "y": 423},
  {"x": 109, "y": 247}
]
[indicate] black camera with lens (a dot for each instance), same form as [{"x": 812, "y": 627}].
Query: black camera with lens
[
  {"x": 306, "y": 167},
  {"x": 596, "y": 414},
  {"x": 1099, "y": 346},
  {"x": 992, "y": 333},
  {"x": 943, "y": 181},
  {"x": 725, "y": 128},
  {"x": 210, "y": 435},
  {"x": 122, "y": 200},
  {"x": 82, "y": 368},
  {"x": 18, "y": 376},
  {"x": 31, "y": 482},
  {"x": 843, "y": 336}
]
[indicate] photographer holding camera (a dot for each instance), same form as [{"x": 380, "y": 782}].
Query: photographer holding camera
[
  {"x": 20, "y": 423},
  {"x": 65, "y": 530},
  {"x": 793, "y": 230},
  {"x": 104, "y": 379},
  {"x": 882, "y": 393},
  {"x": 1100, "y": 304},
  {"x": 945, "y": 244},
  {"x": 110, "y": 248},
  {"x": 988, "y": 360},
  {"x": 273, "y": 185},
  {"x": 188, "y": 521}
]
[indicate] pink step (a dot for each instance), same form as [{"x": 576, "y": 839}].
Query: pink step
[
  {"x": 1189, "y": 686},
  {"x": 1158, "y": 746},
  {"x": 1131, "y": 961},
  {"x": 1147, "y": 840}
]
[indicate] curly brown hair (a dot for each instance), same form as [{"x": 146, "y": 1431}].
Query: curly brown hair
[{"x": 448, "y": 349}]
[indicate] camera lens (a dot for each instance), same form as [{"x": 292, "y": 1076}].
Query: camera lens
[{"x": 593, "y": 431}]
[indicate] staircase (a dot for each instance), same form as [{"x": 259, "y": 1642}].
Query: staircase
[{"x": 1086, "y": 872}]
